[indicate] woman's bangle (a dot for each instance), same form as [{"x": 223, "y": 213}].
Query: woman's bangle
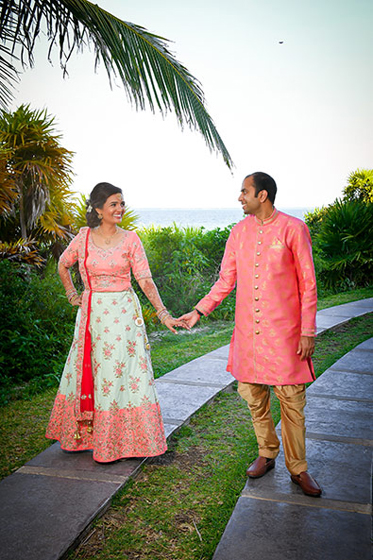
[
  {"x": 199, "y": 312},
  {"x": 165, "y": 317},
  {"x": 71, "y": 295},
  {"x": 160, "y": 311}
]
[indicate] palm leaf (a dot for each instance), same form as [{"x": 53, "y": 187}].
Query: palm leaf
[
  {"x": 150, "y": 74},
  {"x": 22, "y": 250}
]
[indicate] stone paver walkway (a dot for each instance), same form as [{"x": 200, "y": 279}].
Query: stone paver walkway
[{"x": 47, "y": 505}]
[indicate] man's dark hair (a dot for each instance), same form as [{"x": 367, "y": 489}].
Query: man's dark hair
[{"x": 264, "y": 182}]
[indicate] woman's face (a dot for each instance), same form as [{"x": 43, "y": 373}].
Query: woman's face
[{"x": 113, "y": 209}]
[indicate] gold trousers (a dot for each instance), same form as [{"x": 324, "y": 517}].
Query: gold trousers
[{"x": 293, "y": 432}]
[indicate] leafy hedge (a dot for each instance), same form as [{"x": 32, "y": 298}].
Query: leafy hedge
[{"x": 36, "y": 324}]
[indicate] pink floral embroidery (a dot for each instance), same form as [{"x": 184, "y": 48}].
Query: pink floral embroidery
[
  {"x": 131, "y": 348},
  {"x": 105, "y": 387},
  {"x": 99, "y": 301},
  {"x": 98, "y": 320},
  {"x": 106, "y": 312},
  {"x": 134, "y": 383},
  {"x": 114, "y": 302},
  {"x": 116, "y": 320},
  {"x": 143, "y": 364},
  {"x": 106, "y": 330},
  {"x": 118, "y": 338},
  {"x": 108, "y": 350},
  {"x": 118, "y": 368}
]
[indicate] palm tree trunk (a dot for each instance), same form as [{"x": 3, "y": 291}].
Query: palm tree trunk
[{"x": 22, "y": 220}]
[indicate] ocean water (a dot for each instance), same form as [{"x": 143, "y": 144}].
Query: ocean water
[{"x": 209, "y": 218}]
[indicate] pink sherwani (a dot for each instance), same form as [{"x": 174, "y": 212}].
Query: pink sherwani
[{"x": 276, "y": 299}]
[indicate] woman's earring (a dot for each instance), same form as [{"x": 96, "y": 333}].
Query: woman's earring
[{"x": 99, "y": 216}]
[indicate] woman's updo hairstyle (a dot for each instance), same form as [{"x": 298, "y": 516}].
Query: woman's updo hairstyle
[{"x": 97, "y": 199}]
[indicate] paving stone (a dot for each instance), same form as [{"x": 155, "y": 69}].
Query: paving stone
[
  {"x": 353, "y": 306},
  {"x": 367, "y": 345},
  {"x": 342, "y": 421},
  {"x": 265, "y": 529},
  {"x": 356, "y": 361},
  {"x": 329, "y": 321},
  {"x": 55, "y": 458},
  {"x": 221, "y": 352},
  {"x": 204, "y": 371},
  {"x": 42, "y": 516},
  {"x": 339, "y": 311},
  {"x": 181, "y": 401},
  {"x": 333, "y": 465},
  {"x": 342, "y": 384}
]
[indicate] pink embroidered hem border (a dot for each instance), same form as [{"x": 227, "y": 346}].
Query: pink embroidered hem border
[{"x": 117, "y": 433}]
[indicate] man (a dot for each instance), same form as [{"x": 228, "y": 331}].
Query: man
[{"x": 269, "y": 256}]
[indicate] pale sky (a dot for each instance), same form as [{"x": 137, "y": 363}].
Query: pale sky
[{"x": 301, "y": 111}]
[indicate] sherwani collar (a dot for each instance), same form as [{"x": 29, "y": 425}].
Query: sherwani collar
[{"x": 268, "y": 220}]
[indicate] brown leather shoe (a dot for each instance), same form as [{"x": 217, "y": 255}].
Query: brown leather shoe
[
  {"x": 308, "y": 484},
  {"x": 259, "y": 467}
]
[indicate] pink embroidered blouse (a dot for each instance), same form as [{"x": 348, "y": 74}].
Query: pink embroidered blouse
[{"x": 109, "y": 269}]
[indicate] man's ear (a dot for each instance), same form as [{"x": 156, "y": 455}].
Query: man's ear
[{"x": 263, "y": 196}]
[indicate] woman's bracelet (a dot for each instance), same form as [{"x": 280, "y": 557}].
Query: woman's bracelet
[
  {"x": 71, "y": 294},
  {"x": 165, "y": 317},
  {"x": 161, "y": 311},
  {"x": 163, "y": 314},
  {"x": 199, "y": 312}
]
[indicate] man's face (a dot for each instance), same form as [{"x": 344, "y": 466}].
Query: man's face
[{"x": 250, "y": 203}]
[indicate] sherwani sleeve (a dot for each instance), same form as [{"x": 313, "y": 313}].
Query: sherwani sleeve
[
  {"x": 302, "y": 252},
  {"x": 226, "y": 282}
]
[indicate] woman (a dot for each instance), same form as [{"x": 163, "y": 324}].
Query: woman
[{"x": 107, "y": 399}]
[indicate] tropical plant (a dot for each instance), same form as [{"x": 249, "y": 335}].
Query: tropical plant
[
  {"x": 345, "y": 241},
  {"x": 150, "y": 74},
  {"x": 79, "y": 210},
  {"x": 360, "y": 186},
  {"x": 314, "y": 219},
  {"x": 36, "y": 174}
]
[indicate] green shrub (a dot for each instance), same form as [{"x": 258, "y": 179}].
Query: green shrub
[
  {"x": 185, "y": 263},
  {"x": 344, "y": 242},
  {"x": 37, "y": 323}
]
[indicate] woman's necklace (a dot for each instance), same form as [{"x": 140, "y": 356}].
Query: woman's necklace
[{"x": 107, "y": 239}]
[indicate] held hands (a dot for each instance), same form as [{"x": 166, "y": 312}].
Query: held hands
[
  {"x": 190, "y": 318},
  {"x": 306, "y": 347},
  {"x": 170, "y": 322}
]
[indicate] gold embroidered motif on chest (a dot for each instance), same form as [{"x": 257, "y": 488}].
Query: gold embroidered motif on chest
[{"x": 277, "y": 244}]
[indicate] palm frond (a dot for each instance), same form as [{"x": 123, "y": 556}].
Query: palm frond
[
  {"x": 149, "y": 72},
  {"x": 22, "y": 250}
]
